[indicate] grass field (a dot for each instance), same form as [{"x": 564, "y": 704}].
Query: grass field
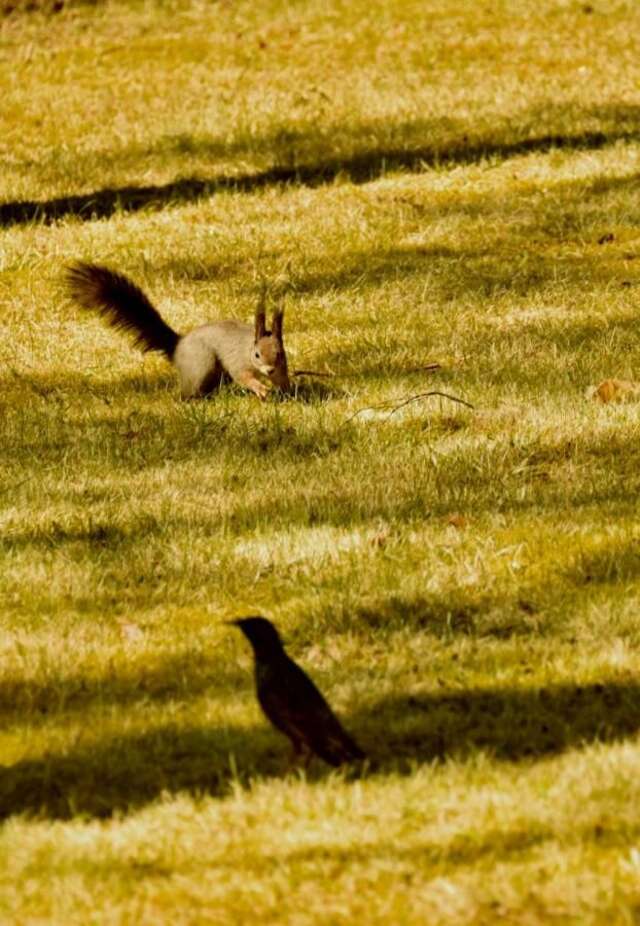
[{"x": 421, "y": 182}]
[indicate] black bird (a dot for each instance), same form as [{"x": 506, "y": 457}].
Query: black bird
[{"x": 292, "y": 702}]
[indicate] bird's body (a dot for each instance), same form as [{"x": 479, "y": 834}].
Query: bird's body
[{"x": 292, "y": 702}]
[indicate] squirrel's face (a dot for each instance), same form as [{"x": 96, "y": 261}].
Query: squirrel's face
[{"x": 270, "y": 359}]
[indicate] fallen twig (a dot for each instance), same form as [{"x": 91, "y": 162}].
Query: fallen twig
[
  {"x": 310, "y": 373},
  {"x": 396, "y": 406},
  {"x": 427, "y": 368}
]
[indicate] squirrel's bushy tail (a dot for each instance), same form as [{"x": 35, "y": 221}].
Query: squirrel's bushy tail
[{"x": 122, "y": 304}]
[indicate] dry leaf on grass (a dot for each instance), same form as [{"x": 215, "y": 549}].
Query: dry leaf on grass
[
  {"x": 614, "y": 390},
  {"x": 457, "y": 520},
  {"x": 379, "y": 539}
]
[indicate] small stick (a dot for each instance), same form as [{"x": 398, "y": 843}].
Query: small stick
[
  {"x": 425, "y": 395},
  {"x": 407, "y": 401},
  {"x": 310, "y": 373},
  {"x": 427, "y": 368}
]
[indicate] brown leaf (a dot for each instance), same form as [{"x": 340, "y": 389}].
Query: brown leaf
[
  {"x": 457, "y": 520},
  {"x": 614, "y": 390},
  {"x": 379, "y": 539}
]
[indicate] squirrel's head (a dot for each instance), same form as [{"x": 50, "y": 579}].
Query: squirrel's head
[{"x": 268, "y": 355}]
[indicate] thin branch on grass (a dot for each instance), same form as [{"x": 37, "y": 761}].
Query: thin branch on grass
[
  {"x": 395, "y": 406},
  {"x": 310, "y": 373},
  {"x": 426, "y": 368}
]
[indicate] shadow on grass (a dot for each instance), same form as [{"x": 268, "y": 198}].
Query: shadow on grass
[
  {"x": 577, "y": 338},
  {"x": 315, "y": 391},
  {"x": 58, "y": 385},
  {"x": 438, "y": 615},
  {"x": 410, "y": 152},
  {"x": 514, "y": 478},
  {"x": 182, "y": 676},
  {"x": 122, "y": 772},
  {"x": 460, "y": 851},
  {"x": 93, "y": 534},
  {"x": 461, "y": 273},
  {"x": 529, "y": 609},
  {"x": 533, "y": 609},
  {"x": 509, "y": 724}
]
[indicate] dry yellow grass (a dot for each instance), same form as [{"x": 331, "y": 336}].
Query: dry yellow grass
[{"x": 424, "y": 182}]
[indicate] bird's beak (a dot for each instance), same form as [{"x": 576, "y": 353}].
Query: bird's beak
[{"x": 234, "y": 623}]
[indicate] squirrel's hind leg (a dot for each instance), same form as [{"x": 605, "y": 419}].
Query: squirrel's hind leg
[
  {"x": 196, "y": 384},
  {"x": 199, "y": 369}
]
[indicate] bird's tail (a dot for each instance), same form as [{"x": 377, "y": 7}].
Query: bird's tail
[
  {"x": 340, "y": 749},
  {"x": 352, "y": 751},
  {"x": 122, "y": 305}
]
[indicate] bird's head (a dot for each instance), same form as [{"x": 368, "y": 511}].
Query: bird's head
[{"x": 261, "y": 634}]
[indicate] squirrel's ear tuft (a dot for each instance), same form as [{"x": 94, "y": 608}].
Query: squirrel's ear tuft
[
  {"x": 276, "y": 325},
  {"x": 261, "y": 317},
  {"x": 261, "y": 325}
]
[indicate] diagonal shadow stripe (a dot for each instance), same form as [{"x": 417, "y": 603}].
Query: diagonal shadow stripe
[
  {"x": 361, "y": 168},
  {"x": 121, "y": 771}
]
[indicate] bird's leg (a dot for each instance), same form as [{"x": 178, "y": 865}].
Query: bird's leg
[
  {"x": 299, "y": 753},
  {"x": 307, "y": 756},
  {"x": 292, "y": 761}
]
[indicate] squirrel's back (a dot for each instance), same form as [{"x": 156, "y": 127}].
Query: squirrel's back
[{"x": 210, "y": 353}]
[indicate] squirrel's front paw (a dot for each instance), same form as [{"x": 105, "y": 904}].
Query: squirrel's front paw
[{"x": 261, "y": 390}]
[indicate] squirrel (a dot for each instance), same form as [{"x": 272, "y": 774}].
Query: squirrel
[{"x": 204, "y": 357}]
